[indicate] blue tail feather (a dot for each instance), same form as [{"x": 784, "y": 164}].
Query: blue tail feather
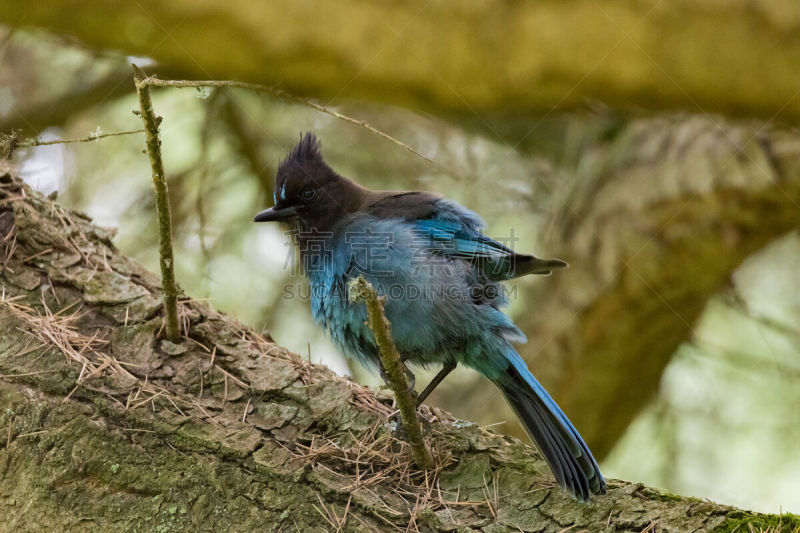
[{"x": 561, "y": 444}]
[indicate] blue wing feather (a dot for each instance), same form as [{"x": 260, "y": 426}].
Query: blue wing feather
[{"x": 455, "y": 232}]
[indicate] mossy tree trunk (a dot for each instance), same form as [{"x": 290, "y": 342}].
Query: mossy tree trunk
[{"x": 107, "y": 426}]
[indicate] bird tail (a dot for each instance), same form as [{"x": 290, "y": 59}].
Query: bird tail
[
  {"x": 529, "y": 264},
  {"x": 561, "y": 444}
]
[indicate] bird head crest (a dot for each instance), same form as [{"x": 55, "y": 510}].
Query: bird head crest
[{"x": 304, "y": 163}]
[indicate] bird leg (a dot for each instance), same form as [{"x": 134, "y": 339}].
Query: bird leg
[{"x": 438, "y": 378}]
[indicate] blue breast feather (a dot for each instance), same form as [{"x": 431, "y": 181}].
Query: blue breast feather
[{"x": 429, "y": 293}]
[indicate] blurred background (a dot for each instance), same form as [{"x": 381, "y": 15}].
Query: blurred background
[{"x": 650, "y": 144}]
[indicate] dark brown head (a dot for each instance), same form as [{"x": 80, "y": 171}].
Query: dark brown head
[{"x": 308, "y": 193}]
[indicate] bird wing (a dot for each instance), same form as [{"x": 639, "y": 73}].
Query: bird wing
[{"x": 446, "y": 228}]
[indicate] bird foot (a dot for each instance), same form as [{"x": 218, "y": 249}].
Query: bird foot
[{"x": 399, "y": 431}]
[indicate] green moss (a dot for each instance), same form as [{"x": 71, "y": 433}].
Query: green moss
[
  {"x": 742, "y": 521},
  {"x": 664, "y": 496}
]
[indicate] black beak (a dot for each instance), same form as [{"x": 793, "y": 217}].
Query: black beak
[{"x": 275, "y": 213}]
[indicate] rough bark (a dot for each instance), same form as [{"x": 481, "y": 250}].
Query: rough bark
[
  {"x": 736, "y": 57},
  {"x": 106, "y": 426}
]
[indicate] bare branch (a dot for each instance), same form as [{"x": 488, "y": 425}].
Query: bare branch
[
  {"x": 361, "y": 290},
  {"x": 274, "y": 91},
  {"x": 92, "y": 137},
  {"x": 166, "y": 258}
]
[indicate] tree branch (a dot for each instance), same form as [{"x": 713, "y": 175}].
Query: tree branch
[
  {"x": 230, "y": 432},
  {"x": 274, "y": 91},
  {"x": 165, "y": 254},
  {"x": 651, "y": 235},
  {"x": 361, "y": 291},
  {"x": 554, "y": 54}
]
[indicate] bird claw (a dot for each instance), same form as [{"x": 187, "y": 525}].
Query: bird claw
[
  {"x": 399, "y": 431},
  {"x": 412, "y": 381},
  {"x": 410, "y": 378}
]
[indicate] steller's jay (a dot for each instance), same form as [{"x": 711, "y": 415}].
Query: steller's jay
[{"x": 440, "y": 276}]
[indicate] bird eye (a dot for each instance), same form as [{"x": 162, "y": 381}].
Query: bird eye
[{"x": 307, "y": 193}]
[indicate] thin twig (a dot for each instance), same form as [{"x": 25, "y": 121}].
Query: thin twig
[
  {"x": 166, "y": 258},
  {"x": 361, "y": 290},
  {"x": 92, "y": 137},
  {"x": 26, "y": 374},
  {"x": 246, "y": 407},
  {"x": 10, "y": 431},
  {"x": 155, "y": 82},
  {"x": 236, "y": 380}
]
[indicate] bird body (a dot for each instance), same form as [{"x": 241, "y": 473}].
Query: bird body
[{"x": 441, "y": 280}]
